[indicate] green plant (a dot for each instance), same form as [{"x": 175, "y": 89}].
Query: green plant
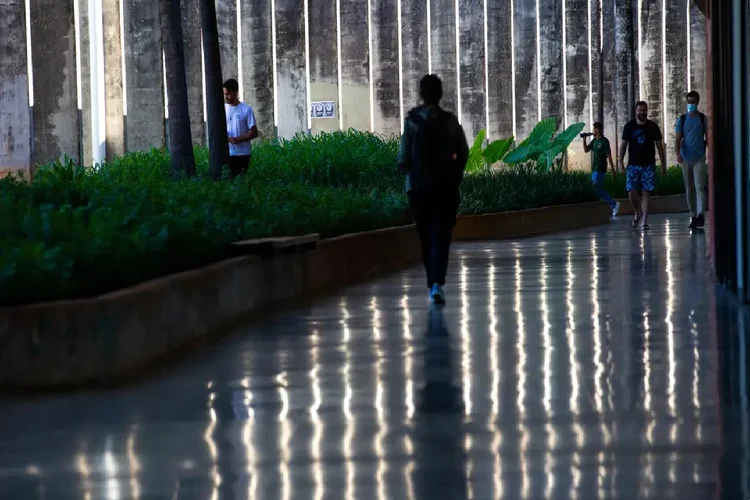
[{"x": 542, "y": 147}]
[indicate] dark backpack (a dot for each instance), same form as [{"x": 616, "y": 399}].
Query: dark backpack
[
  {"x": 433, "y": 168},
  {"x": 703, "y": 121}
]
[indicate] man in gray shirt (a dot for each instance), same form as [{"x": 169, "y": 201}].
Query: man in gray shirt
[{"x": 690, "y": 146}]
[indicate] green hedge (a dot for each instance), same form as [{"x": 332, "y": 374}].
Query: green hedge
[{"x": 78, "y": 232}]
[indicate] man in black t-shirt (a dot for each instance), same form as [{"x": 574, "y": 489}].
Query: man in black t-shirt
[{"x": 639, "y": 138}]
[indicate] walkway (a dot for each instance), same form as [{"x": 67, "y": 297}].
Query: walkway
[{"x": 579, "y": 365}]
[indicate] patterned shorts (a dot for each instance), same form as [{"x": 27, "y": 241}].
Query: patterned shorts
[{"x": 641, "y": 178}]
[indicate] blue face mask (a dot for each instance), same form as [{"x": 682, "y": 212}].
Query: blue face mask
[{"x": 692, "y": 108}]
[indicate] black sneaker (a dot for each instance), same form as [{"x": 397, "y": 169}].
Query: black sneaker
[
  {"x": 700, "y": 221},
  {"x": 693, "y": 222}
]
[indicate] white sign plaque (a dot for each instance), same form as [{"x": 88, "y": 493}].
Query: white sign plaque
[{"x": 323, "y": 109}]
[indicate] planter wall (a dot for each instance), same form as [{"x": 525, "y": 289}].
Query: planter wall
[{"x": 113, "y": 337}]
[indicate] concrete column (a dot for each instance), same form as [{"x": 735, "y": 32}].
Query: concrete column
[
  {"x": 471, "y": 67},
  {"x": 414, "y": 58},
  {"x": 144, "y": 74},
  {"x": 524, "y": 22},
  {"x": 610, "y": 75},
  {"x": 443, "y": 42},
  {"x": 85, "y": 123},
  {"x": 698, "y": 59},
  {"x": 626, "y": 78},
  {"x": 324, "y": 79},
  {"x": 651, "y": 64},
  {"x": 257, "y": 63},
  {"x": 55, "y": 112},
  {"x": 385, "y": 66},
  {"x": 355, "y": 65},
  {"x": 191, "y": 38},
  {"x": 15, "y": 120},
  {"x": 499, "y": 68},
  {"x": 291, "y": 87},
  {"x": 594, "y": 40},
  {"x": 577, "y": 66},
  {"x": 113, "y": 79},
  {"x": 226, "y": 19},
  {"x": 550, "y": 58},
  {"x": 675, "y": 69}
]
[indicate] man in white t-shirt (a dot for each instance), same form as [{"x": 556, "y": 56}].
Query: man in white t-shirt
[{"x": 241, "y": 129}]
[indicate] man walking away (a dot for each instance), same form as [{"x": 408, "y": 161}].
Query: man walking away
[
  {"x": 601, "y": 152},
  {"x": 690, "y": 146},
  {"x": 639, "y": 137},
  {"x": 241, "y": 129},
  {"x": 433, "y": 154}
]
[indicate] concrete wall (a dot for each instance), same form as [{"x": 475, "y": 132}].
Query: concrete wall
[{"x": 365, "y": 55}]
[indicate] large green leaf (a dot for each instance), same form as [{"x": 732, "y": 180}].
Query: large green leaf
[
  {"x": 519, "y": 155},
  {"x": 475, "y": 161},
  {"x": 497, "y": 150},
  {"x": 542, "y": 133},
  {"x": 564, "y": 138}
]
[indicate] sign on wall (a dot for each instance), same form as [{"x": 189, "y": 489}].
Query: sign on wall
[{"x": 323, "y": 109}]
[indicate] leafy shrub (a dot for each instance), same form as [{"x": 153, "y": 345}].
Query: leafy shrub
[{"x": 76, "y": 232}]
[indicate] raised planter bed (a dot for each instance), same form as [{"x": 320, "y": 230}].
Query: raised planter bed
[{"x": 111, "y": 338}]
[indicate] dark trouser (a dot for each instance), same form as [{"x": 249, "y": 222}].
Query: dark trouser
[
  {"x": 238, "y": 165},
  {"x": 435, "y": 216}
]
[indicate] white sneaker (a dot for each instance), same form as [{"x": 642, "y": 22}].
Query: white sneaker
[
  {"x": 616, "y": 210},
  {"x": 437, "y": 295}
]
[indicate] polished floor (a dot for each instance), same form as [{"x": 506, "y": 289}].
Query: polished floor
[{"x": 581, "y": 365}]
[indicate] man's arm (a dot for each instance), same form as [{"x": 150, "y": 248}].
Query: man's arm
[
  {"x": 678, "y": 136},
  {"x": 586, "y": 147},
  {"x": 462, "y": 146},
  {"x": 621, "y": 154},
  {"x": 404, "y": 150},
  {"x": 662, "y": 155}
]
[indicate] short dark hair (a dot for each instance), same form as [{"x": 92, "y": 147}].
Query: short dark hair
[
  {"x": 599, "y": 125},
  {"x": 693, "y": 93},
  {"x": 431, "y": 89},
  {"x": 641, "y": 103},
  {"x": 232, "y": 85}
]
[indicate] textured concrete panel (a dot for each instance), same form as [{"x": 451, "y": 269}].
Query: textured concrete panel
[
  {"x": 609, "y": 57},
  {"x": 113, "y": 90},
  {"x": 594, "y": 41},
  {"x": 291, "y": 86},
  {"x": 15, "y": 123},
  {"x": 87, "y": 147},
  {"x": 471, "y": 51},
  {"x": 414, "y": 57},
  {"x": 443, "y": 42},
  {"x": 226, "y": 20},
  {"x": 577, "y": 70},
  {"x": 698, "y": 52},
  {"x": 385, "y": 66},
  {"x": 499, "y": 68},
  {"x": 550, "y": 59},
  {"x": 651, "y": 64},
  {"x": 191, "y": 38},
  {"x": 144, "y": 74},
  {"x": 323, "y": 59},
  {"x": 675, "y": 69},
  {"x": 527, "y": 105},
  {"x": 626, "y": 77},
  {"x": 257, "y": 63},
  {"x": 355, "y": 65},
  {"x": 54, "y": 61}
]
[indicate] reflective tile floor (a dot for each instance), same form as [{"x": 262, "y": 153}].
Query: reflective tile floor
[{"x": 581, "y": 365}]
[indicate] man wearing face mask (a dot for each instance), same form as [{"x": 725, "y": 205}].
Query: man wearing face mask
[
  {"x": 639, "y": 138},
  {"x": 690, "y": 146}
]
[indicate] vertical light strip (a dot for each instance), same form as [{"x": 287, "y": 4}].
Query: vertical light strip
[
  {"x": 688, "y": 34},
  {"x": 401, "y": 67},
  {"x": 538, "y": 65},
  {"x": 458, "y": 63},
  {"x": 308, "y": 97},
  {"x": 240, "y": 76},
  {"x": 565, "y": 63},
  {"x": 665, "y": 106},
  {"x": 486, "y": 76},
  {"x": 203, "y": 82},
  {"x": 372, "y": 79},
  {"x": 166, "y": 94},
  {"x": 601, "y": 28},
  {"x": 640, "y": 52},
  {"x": 513, "y": 65},
  {"x": 275, "y": 72},
  {"x": 429, "y": 37},
  {"x": 591, "y": 69},
  {"x": 338, "y": 60},
  {"x": 97, "y": 41},
  {"x": 122, "y": 57},
  {"x": 30, "y": 69},
  {"x": 79, "y": 77}
]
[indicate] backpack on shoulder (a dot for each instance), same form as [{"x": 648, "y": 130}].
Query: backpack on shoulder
[{"x": 434, "y": 168}]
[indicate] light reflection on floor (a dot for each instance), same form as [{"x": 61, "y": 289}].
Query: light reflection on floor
[{"x": 580, "y": 365}]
